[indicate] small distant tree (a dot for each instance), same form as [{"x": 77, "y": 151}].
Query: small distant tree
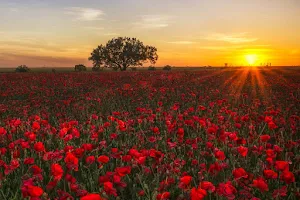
[
  {"x": 80, "y": 68},
  {"x": 123, "y": 52},
  {"x": 22, "y": 68},
  {"x": 167, "y": 68},
  {"x": 133, "y": 68},
  {"x": 151, "y": 68},
  {"x": 53, "y": 70}
]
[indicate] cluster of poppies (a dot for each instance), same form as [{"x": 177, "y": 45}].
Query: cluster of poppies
[{"x": 217, "y": 134}]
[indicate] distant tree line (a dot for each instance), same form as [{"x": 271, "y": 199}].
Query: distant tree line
[{"x": 118, "y": 54}]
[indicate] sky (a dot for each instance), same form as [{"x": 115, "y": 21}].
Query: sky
[{"x": 62, "y": 33}]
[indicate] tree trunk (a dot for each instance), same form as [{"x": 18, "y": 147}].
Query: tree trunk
[{"x": 124, "y": 67}]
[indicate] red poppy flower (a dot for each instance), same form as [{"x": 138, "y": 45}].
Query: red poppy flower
[
  {"x": 272, "y": 125},
  {"x": 163, "y": 196},
  {"x": 35, "y": 191},
  {"x": 270, "y": 174},
  {"x": 57, "y": 171},
  {"x": 28, "y": 161},
  {"x": 155, "y": 130},
  {"x": 2, "y": 131},
  {"x": 243, "y": 151},
  {"x": 186, "y": 180},
  {"x": 282, "y": 165},
  {"x": 71, "y": 161},
  {"x": 109, "y": 189},
  {"x": 39, "y": 147},
  {"x": 220, "y": 155},
  {"x": 90, "y": 160},
  {"x": 288, "y": 177},
  {"x": 36, "y": 126},
  {"x": 239, "y": 173},
  {"x": 208, "y": 186},
  {"x": 261, "y": 184},
  {"x": 197, "y": 194},
  {"x": 227, "y": 190},
  {"x": 103, "y": 159},
  {"x": 180, "y": 132},
  {"x": 264, "y": 138},
  {"x": 91, "y": 197},
  {"x": 123, "y": 171}
]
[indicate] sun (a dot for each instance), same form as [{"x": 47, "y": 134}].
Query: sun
[{"x": 251, "y": 59}]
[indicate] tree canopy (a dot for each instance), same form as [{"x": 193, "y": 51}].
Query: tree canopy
[{"x": 123, "y": 52}]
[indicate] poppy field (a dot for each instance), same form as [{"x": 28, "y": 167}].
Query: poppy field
[{"x": 203, "y": 134}]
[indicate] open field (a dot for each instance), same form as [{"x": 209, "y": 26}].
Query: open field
[
  {"x": 201, "y": 134},
  {"x": 89, "y": 69}
]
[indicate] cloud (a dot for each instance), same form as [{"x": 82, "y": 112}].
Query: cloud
[
  {"x": 153, "y": 21},
  {"x": 111, "y": 34},
  {"x": 181, "y": 42},
  {"x": 14, "y": 9},
  {"x": 219, "y": 48},
  {"x": 241, "y": 47},
  {"x": 85, "y": 14},
  {"x": 231, "y": 38}
]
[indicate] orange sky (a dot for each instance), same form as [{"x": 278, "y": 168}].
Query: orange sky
[{"x": 62, "y": 33}]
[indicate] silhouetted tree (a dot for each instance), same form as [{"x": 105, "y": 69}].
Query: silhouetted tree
[
  {"x": 123, "y": 52},
  {"x": 22, "y": 68},
  {"x": 167, "y": 68},
  {"x": 80, "y": 68}
]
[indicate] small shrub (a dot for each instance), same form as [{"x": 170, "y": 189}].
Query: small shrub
[
  {"x": 167, "y": 68},
  {"x": 133, "y": 68},
  {"x": 151, "y": 68},
  {"x": 22, "y": 68},
  {"x": 80, "y": 68}
]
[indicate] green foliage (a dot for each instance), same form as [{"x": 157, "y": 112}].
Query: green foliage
[
  {"x": 22, "y": 68},
  {"x": 123, "y": 52},
  {"x": 80, "y": 68}
]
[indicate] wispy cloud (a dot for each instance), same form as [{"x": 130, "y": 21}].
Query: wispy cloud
[
  {"x": 258, "y": 48},
  {"x": 181, "y": 42},
  {"x": 111, "y": 34},
  {"x": 14, "y": 9},
  {"x": 153, "y": 21},
  {"x": 231, "y": 38},
  {"x": 219, "y": 48},
  {"x": 85, "y": 14}
]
